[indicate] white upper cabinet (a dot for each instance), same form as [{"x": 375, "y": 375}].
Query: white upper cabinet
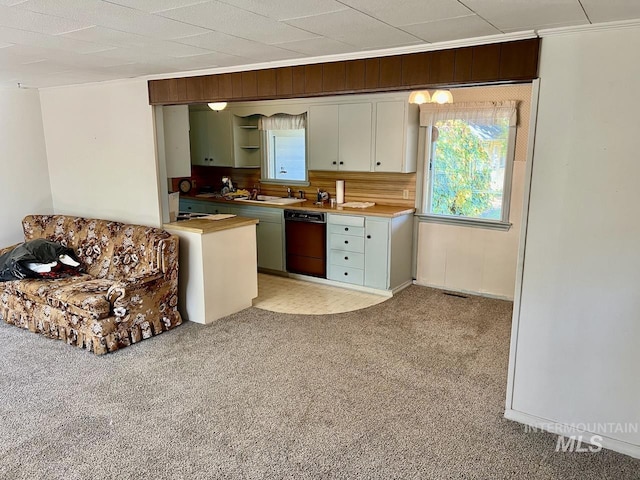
[
  {"x": 176, "y": 141},
  {"x": 210, "y": 138},
  {"x": 396, "y": 137},
  {"x": 354, "y": 137},
  {"x": 323, "y": 137},
  {"x": 340, "y": 137},
  {"x": 220, "y": 139}
]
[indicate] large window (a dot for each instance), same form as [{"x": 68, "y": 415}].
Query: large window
[
  {"x": 468, "y": 166},
  {"x": 285, "y": 157}
]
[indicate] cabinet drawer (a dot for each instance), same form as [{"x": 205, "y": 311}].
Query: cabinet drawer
[
  {"x": 346, "y": 259},
  {"x": 346, "y": 243},
  {"x": 346, "y": 274},
  {"x": 346, "y": 220},
  {"x": 347, "y": 230}
]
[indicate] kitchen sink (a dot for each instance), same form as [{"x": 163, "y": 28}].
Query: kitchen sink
[{"x": 268, "y": 199}]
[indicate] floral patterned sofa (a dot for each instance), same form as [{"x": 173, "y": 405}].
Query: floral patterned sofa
[{"x": 128, "y": 293}]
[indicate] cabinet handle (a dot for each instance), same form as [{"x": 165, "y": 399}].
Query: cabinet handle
[
  {"x": 346, "y": 273},
  {"x": 334, "y": 163},
  {"x": 368, "y": 236},
  {"x": 346, "y": 229},
  {"x": 346, "y": 241},
  {"x": 378, "y": 163},
  {"x": 341, "y": 163},
  {"x": 346, "y": 258},
  {"x": 188, "y": 208}
]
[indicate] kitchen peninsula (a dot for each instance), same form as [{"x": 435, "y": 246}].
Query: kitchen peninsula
[{"x": 218, "y": 266}]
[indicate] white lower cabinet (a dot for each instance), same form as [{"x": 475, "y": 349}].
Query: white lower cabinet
[
  {"x": 370, "y": 251},
  {"x": 269, "y": 233},
  {"x": 200, "y": 206}
]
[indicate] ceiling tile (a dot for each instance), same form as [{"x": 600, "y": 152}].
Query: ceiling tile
[
  {"x": 117, "y": 17},
  {"x": 355, "y": 28},
  {"x": 318, "y": 46},
  {"x": 452, "y": 29},
  {"x": 234, "y": 21},
  {"x": 527, "y": 14},
  {"x": 9, "y": 3},
  {"x": 409, "y": 11},
  {"x": 15, "y": 17},
  {"x": 204, "y": 61},
  {"x": 287, "y": 9},
  {"x": 152, "y": 6},
  {"x": 22, "y": 37},
  {"x": 611, "y": 10},
  {"x": 109, "y": 36},
  {"x": 223, "y": 43}
]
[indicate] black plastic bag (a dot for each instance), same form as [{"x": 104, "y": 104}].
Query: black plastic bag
[{"x": 13, "y": 264}]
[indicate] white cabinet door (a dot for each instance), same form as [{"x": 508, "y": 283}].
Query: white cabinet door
[
  {"x": 198, "y": 137},
  {"x": 219, "y": 138},
  {"x": 176, "y": 141},
  {"x": 355, "y": 137},
  {"x": 390, "y": 132},
  {"x": 376, "y": 253},
  {"x": 323, "y": 137}
]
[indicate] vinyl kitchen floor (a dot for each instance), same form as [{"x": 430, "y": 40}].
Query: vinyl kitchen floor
[{"x": 288, "y": 295}]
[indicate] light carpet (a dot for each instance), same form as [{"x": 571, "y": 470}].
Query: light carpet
[{"x": 410, "y": 388}]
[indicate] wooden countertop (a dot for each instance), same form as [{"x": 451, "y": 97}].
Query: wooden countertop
[
  {"x": 388, "y": 211},
  {"x": 204, "y": 226}
]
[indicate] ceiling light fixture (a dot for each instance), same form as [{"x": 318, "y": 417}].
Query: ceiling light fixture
[
  {"x": 419, "y": 97},
  {"x": 442, "y": 97},
  {"x": 217, "y": 106}
]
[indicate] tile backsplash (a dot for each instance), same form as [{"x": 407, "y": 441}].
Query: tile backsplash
[{"x": 382, "y": 188}]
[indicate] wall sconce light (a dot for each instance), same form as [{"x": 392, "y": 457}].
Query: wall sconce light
[
  {"x": 419, "y": 97},
  {"x": 422, "y": 96},
  {"x": 442, "y": 96},
  {"x": 217, "y": 106}
]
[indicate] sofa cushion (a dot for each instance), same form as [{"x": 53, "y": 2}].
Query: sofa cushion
[
  {"x": 82, "y": 295},
  {"x": 107, "y": 249}
]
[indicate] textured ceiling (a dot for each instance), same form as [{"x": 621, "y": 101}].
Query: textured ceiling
[{"x": 58, "y": 42}]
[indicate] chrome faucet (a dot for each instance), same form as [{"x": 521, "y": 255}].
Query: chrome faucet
[{"x": 289, "y": 194}]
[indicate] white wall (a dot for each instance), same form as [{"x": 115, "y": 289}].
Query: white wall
[
  {"x": 24, "y": 177},
  {"x": 577, "y": 337},
  {"x": 101, "y": 151},
  {"x": 479, "y": 260}
]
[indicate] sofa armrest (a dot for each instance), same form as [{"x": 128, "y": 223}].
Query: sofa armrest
[
  {"x": 122, "y": 289},
  {"x": 8, "y": 249}
]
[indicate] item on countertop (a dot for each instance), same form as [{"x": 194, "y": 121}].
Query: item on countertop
[
  {"x": 340, "y": 191},
  {"x": 240, "y": 193},
  {"x": 38, "y": 258},
  {"x": 322, "y": 197},
  {"x": 185, "y": 185},
  {"x": 358, "y": 204},
  {"x": 227, "y": 185}
]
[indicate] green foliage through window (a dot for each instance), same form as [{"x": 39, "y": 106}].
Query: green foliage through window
[{"x": 468, "y": 164}]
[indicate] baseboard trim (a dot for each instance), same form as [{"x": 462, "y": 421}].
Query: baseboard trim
[
  {"x": 569, "y": 430},
  {"x": 466, "y": 292}
]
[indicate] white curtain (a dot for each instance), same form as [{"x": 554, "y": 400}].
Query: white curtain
[
  {"x": 283, "y": 121},
  {"x": 483, "y": 113}
]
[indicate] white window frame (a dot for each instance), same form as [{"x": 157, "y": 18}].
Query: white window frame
[
  {"x": 427, "y": 185},
  {"x": 267, "y": 172}
]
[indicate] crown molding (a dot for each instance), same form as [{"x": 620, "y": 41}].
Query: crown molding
[
  {"x": 591, "y": 27},
  {"x": 386, "y": 52}
]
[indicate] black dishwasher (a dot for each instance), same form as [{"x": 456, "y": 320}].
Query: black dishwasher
[{"x": 306, "y": 242}]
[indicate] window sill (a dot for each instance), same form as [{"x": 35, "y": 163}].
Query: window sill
[
  {"x": 284, "y": 183},
  {"x": 465, "y": 222}
]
